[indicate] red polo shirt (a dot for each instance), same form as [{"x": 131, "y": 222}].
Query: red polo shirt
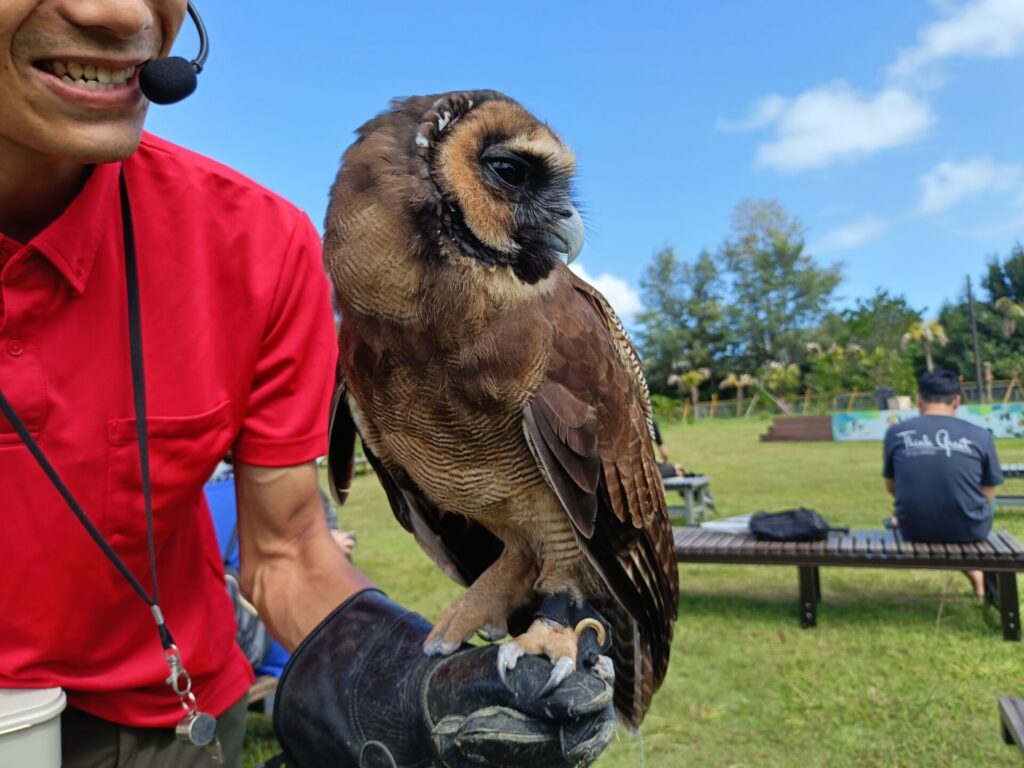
[{"x": 239, "y": 355}]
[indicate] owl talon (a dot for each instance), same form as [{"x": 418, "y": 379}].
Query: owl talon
[
  {"x": 604, "y": 668},
  {"x": 508, "y": 654},
  {"x": 561, "y": 670},
  {"x": 436, "y": 646}
]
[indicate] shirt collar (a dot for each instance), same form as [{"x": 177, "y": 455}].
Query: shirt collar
[{"x": 91, "y": 222}]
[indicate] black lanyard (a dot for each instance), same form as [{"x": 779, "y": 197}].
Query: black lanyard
[{"x": 179, "y": 679}]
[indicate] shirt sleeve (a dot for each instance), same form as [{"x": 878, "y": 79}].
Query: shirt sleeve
[
  {"x": 991, "y": 471},
  {"x": 888, "y": 445},
  {"x": 285, "y": 421}
]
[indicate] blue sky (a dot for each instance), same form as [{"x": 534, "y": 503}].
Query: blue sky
[{"x": 891, "y": 129}]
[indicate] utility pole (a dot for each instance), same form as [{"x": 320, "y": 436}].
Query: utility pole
[{"x": 974, "y": 337}]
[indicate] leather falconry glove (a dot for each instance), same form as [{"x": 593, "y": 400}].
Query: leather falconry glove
[{"x": 360, "y": 692}]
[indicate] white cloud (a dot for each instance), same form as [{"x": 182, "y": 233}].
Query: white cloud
[
  {"x": 624, "y": 300},
  {"x": 989, "y": 29},
  {"x": 834, "y": 122},
  {"x": 851, "y": 235},
  {"x": 767, "y": 111},
  {"x": 949, "y": 183}
]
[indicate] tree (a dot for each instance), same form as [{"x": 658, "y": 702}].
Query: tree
[
  {"x": 927, "y": 333},
  {"x": 776, "y": 291},
  {"x": 878, "y": 321},
  {"x": 681, "y": 327},
  {"x": 1006, "y": 279},
  {"x": 739, "y": 383},
  {"x": 1011, "y": 312},
  {"x": 692, "y": 381}
]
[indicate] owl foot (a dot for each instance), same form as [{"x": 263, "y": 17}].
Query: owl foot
[
  {"x": 544, "y": 638},
  {"x": 460, "y": 621},
  {"x": 567, "y": 634}
]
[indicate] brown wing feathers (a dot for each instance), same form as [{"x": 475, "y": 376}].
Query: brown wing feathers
[{"x": 622, "y": 521}]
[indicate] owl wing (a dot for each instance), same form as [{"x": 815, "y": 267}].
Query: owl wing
[
  {"x": 462, "y": 548},
  {"x": 589, "y": 428}
]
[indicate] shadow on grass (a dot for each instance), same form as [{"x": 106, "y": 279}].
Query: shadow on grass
[{"x": 961, "y": 614}]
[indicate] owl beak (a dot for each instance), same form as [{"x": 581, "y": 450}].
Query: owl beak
[{"x": 566, "y": 235}]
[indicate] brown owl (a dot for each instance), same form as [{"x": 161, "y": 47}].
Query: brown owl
[{"x": 496, "y": 393}]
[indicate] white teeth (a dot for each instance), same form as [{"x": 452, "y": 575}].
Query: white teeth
[{"x": 91, "y": 76}]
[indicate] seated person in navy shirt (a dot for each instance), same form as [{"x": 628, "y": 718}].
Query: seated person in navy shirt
[{"x": 942, "y": 471}]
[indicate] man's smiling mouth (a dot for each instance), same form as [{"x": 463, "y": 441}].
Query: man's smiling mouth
[{"x": 87, "y": 75}]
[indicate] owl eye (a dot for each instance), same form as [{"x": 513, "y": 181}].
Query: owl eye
[
  {"x": 509, "y": 169},
  {"x": 512, "y": 173}
]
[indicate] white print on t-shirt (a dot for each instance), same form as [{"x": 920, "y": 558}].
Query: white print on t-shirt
[{"x": 924, "y": 443}]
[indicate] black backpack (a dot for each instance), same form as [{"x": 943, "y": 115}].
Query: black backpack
[{"x": 791, "y": 525}]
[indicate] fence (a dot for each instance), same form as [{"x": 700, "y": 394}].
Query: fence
[{"x": 762, "y": 402}]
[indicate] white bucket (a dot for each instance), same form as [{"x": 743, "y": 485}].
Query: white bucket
[{"x": 30, "y": 727}]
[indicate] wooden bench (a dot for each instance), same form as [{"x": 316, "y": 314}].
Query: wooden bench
[
  {"x": 697, "y": 499},
  {"x": 1001, "y": 556},
  {"x": 1011, "y": 715}
]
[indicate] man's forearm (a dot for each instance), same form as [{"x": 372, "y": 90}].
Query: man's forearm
[
  {"x": 294, "y": 591},
  {"x": 291, "y": 569},
  {"x": 990, "y": 492}
]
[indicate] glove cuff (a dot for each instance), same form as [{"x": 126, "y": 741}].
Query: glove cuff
[{"x": 350, "y": 692}]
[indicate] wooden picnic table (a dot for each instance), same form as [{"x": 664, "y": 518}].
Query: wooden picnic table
[
  {"x": 1013, "y": 470},
  {"x": 696, "y": 494}
]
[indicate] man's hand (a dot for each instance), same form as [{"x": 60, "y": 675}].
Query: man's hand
[{"x": 359, "y": 691}]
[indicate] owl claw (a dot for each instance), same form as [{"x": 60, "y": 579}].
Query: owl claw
[
  {"x": 561, "y": 670},
  {"x": 604, "y": 668},
  {"x": 436, "y": 646},
  {"x": 508, "y": 655}
]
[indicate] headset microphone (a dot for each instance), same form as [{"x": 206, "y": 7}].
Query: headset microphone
[{"x": 171, "y": 79}]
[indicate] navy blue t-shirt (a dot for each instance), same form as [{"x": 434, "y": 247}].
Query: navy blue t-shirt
[{"x": 940, "y": 464}]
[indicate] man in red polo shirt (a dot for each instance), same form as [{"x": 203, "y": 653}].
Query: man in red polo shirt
[{"x": 239, "y": 356}]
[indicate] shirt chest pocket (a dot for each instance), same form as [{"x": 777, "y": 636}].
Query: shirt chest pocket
[{"x": 183, "y": 450}]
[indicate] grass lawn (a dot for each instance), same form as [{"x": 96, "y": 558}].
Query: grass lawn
[{"x": 903, "y": 669}]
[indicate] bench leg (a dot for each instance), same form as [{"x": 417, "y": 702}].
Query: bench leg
[
  {"x": 1009, "y": 605},
  {"x": 809, "y": 596}
]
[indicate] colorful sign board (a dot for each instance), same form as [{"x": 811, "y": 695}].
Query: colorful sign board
[{"x": 1001, "y": 419}]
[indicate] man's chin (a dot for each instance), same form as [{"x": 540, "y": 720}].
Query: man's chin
[{"x": 100, "y": 145}]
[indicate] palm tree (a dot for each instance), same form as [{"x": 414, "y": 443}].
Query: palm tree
[
  {"x": 693, "y": 379},
  {"x": 927, "y": 332},
  {"x": 1012, "y": 311},
  {"x": 739, "y": 383}
]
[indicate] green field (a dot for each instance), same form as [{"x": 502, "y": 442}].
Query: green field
[{"x": 903, "y": 669}]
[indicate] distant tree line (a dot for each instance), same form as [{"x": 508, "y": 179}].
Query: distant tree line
[{"x": 758, "y": 313}]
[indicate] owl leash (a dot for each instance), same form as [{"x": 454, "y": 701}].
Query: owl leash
[{"x": 195, "y": 727}]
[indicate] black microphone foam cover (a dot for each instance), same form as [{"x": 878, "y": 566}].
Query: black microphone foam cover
[{"x": 165, "y": 81}]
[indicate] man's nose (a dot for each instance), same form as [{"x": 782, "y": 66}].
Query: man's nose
[{"x": 123, "y": 19}]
